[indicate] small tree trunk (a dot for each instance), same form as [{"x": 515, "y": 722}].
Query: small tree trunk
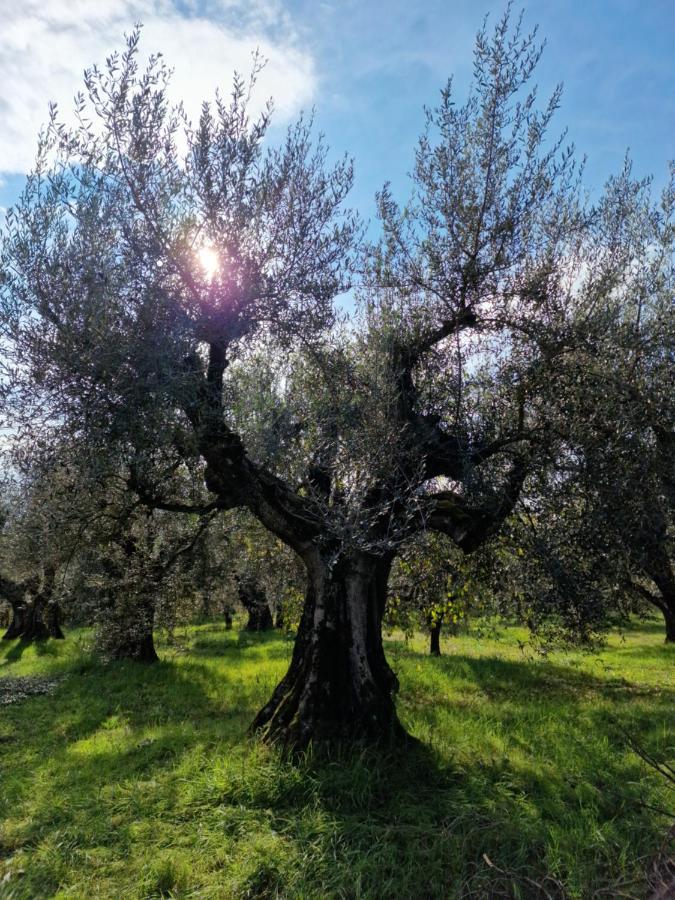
[
  {"x": 206, "y": 606},
  {"x": 262, "y": 621},
  {"x": 338, "y": 686},
  {"x": 279, "y": 617},
  {"x": 435, "y": 634},
  {"x": 227, "y": 615},
  {"x": 666, "y": 604}
]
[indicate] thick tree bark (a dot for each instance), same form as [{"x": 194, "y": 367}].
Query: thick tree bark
[
  {"x": 255, "y": 603},
  {"x": 140, "y": 648},
  {"x": 137, "y": 646},
  {"x": 52, "y": 617},
  {"x": 376, "y": 609},
  {"x": 33, "y": 626},
  {"x": 128, "y": 633},
  {"x": 34, "y": 621},
  {"x": 338, "y": 686},
  {"x": 16, "y": 624},
  {"x": 661, "y": 572}
]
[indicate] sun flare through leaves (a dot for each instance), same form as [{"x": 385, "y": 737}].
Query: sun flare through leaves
[{"x": 209, "y": 261}]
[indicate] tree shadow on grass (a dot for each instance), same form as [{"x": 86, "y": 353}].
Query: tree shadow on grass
[
  {"x": 131, "y": 698},
  {"x": 425, "y": 822},
  {"x": 412, "y": 823},
  {"x": 655, "y": 652},
  {"x": 541, "y": 800},
  {"x": 645, "y": 626},
  {"x": 163, "y": 747},
  {"x": 18, "y": 646},
  {"x": 511, "y": 689},
  {"x": 99, "y": 759},
  {"x": 277, "y": 644},
  {"x": 17, "y": 650},
  {"x": 273, "y": 645}
]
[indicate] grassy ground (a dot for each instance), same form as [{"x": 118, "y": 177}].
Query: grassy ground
[{"x": 139, "y": 782}]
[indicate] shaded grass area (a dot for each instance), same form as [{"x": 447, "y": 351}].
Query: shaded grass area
[{"x": 139, "y": 782}]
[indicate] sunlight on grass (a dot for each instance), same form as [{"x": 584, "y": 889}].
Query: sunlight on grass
[{"x": 133, "y": 781}]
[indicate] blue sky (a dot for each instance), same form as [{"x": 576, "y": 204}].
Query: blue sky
[{"x": 367, "y": 67}]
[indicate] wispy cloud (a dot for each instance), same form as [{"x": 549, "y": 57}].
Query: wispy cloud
[{"x": 46, "y": 44}]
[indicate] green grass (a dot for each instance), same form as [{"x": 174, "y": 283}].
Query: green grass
[{"x": 139, "y": 782}]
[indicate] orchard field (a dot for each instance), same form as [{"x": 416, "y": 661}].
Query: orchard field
[
  {"x": 140, "y": 781},
  {"x": 393, "y": 372}
]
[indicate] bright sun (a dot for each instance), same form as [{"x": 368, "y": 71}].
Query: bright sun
[{"x": 209, "y": 261}]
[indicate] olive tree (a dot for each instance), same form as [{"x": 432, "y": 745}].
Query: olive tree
[
  {"x": 594, "y": 531},
  {"x": 616, "y": 413},
  {"x": 153, "y": 272},
  {"x": 138, "y": 579},
  {"x": 33, "y": 551},
  {"x": 431, "y": 587}
]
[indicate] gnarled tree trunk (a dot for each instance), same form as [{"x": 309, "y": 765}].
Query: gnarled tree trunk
[
  {"x": 34, "y": 627},
  {"x": 15, "y": 626},
  {"x": 127, "y": 632},
  {"x": 35, "y": 612},
  {"x": 661, "y": 572},
  {"x": 339, "y": 685},
  {"x": 666, "y": 603},
  {"x": 255, "y": 603},
  {"x": 52, "y": 617},
  {"x": 29, "y": 623},
  {"x": 35, "y": 620},
  {"x": 137, "y": 647},
  {"x": 669, "y": 616}
]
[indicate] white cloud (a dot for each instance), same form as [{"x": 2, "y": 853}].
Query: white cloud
[{"x": 45, "y": 45}]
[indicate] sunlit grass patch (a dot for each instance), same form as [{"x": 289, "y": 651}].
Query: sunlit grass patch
[{"x": 136, "y": 781}]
